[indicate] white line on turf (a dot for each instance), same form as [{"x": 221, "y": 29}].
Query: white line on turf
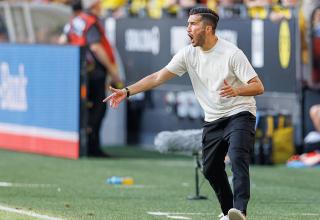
[
  {"x": 308, "y": 214},
  {"x": 177, "y": 215},
  {"x": 134, "y": 186},
  {"x": 35, "y": 185},
  {"x": 28, "y": 213}
]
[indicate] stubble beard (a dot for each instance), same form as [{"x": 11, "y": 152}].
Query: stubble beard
[{"x": 200, "y": 39}]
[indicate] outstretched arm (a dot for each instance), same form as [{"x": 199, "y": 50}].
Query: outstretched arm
[{"x": 151, "y": 81}]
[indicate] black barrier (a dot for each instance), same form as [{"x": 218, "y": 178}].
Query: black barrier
[{"x": 147, "y": 45}]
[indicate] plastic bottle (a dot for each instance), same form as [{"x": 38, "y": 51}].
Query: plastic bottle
[{"x": 116, "y": 180}]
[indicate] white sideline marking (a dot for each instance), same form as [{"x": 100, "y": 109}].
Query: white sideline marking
[
  {"x": 28, "y": 213},
  {"x": 32, "y": 185},
  {"x": 133, "y": 186},
  {"x": 308, "y": 214},
  {"x": 177, "y": 215}
]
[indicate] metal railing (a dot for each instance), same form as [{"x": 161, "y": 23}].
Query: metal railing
[{"x": 34, "y": 23}]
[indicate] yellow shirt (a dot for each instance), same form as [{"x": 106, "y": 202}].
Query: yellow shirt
[
  {"x": 155, "y": 8},
  {"x": 137, "y": 5},
  {"x": 212, "y": 4},
  {"x": 113, "y": 4},
  {"x": 286, "y": 12},
  {"x": 258, "y": 12}
]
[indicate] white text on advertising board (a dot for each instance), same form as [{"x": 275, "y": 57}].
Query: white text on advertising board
[
  {"x": 13, "y": 89},
  {"x": 143, "y": 40}
]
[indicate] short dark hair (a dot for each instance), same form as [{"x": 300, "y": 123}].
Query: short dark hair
[
  {"x": 76, "y": 5},
  {"x": 208, "y": 16}
]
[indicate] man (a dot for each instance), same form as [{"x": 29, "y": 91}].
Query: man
[
  {"x": 87, "y": 30},
  {"x": 315, "y": 116},
  {"x": 3, "y": 30},
  {"x": 76, "y": 7},
  {"x": 224, "y": 83}
]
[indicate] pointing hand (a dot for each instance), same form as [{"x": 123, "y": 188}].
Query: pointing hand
[{"x": 116, "y": 97}]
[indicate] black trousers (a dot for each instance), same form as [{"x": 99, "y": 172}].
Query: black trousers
[
  {"x": 233, "y": 135},
  {"x": 96, "y": 112}
]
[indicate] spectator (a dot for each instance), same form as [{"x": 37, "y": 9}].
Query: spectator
[
  {"x": 115, "y": 8},
  {"x": 315, "y": 77},
  {"x": 87, "y": 30},
  {"x": 258, "y": 8},
  {"x": 76, "y": 10},
  {"x": 312, "y": 140},
  {"x": 308, "y": 7},
  {"x": 315, "y": 116},
  {"x": 283, "y": 10},
  {"x": 231, "y": 8},
  {"x": 138, "y": 7},
  {"x": 171, "y": 7},
  {"x": 3, "y": 31},
  {"x": 187, "y": 5},
  {"x": 316, "y": 23}
]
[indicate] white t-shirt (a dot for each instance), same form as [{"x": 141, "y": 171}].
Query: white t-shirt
[{"x": 207, "y": 71}]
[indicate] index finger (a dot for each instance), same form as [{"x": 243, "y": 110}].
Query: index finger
[
  {"x": 113, "y": 89},
  {"x": 108, "y": 98}
]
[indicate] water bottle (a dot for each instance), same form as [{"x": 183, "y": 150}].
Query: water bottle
[{"x": 116, "y": 180}]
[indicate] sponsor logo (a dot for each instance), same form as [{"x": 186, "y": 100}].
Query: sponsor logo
[
  {"x": 257, "y": 43},
  {"x": 143, "y": 40},
  {"x": 13, "y": 89},
  {"x": 284, "y": 44}
]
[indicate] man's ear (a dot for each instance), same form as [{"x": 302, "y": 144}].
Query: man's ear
[{"x": 209, "y": 28}]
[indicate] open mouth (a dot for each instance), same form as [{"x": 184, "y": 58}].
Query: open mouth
[{"x": 191, "y": 37}]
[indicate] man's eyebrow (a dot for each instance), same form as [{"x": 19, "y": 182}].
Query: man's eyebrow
[{"x": 194, "y": 21}]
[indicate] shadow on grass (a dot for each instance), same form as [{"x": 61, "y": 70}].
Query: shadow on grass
[{"x": 136, "y": 152}]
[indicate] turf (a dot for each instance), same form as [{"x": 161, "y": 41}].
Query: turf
[{"x": 77, "y": 189}]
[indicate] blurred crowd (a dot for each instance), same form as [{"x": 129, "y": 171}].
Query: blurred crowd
[
  {"x": 275, "y": 10},
  {"x": 262, "y": 9}
]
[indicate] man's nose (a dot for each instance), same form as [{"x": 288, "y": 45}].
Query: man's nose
[{"x": 188, "y": 28}]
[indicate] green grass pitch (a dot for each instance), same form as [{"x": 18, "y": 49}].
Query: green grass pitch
[{"x": 73, "y": 190}]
